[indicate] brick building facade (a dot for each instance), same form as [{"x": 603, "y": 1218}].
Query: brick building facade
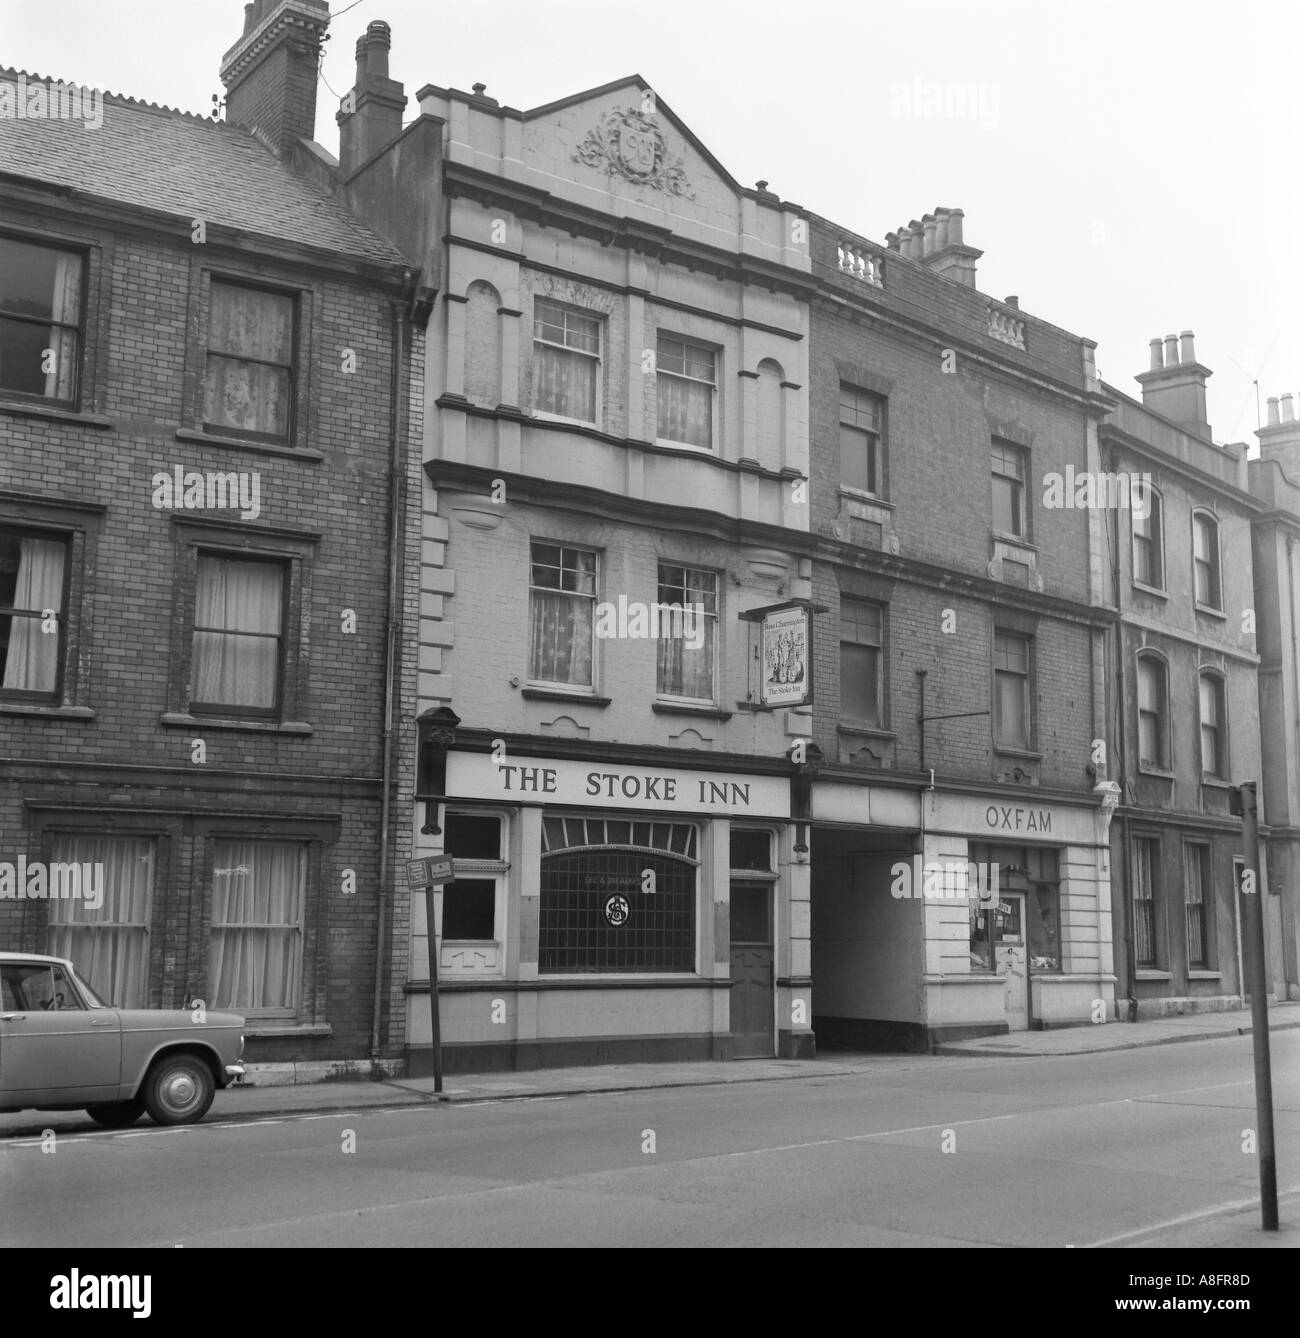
[
  {"x": 1184, "y": 691},
  {"x": 1274, "y": 478},
  {"x": 958, "y": 593},
  {"x": 199, "y": 355}
]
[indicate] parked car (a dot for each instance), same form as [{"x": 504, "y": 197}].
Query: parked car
[{"x": 63, "y": 1048}]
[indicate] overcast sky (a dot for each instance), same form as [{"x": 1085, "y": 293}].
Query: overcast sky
[{"x": 1127, "y": 166}]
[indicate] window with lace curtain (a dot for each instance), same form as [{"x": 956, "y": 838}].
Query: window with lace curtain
[
  {"x": 562, "y": 604},
  {"x": 249, "y": 377},
  {"x": 238, "y": 631},
  {"x": 258, "y": 895},
  {"x": 566, "y": 361},
  {"x": 687, "y": 628},
  {"x": 41, "y": 320},
  {"x": 33, "y": 568},
  {"x": 109, "y": 944},
  {"x": 686, "y": 383}
]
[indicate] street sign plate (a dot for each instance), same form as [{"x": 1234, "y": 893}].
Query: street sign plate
[{"x": 430, "y": 871}]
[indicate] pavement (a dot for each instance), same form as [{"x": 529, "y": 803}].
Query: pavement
[{"x": 249, "y": 1099}]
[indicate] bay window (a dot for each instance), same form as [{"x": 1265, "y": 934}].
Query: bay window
[
  {"x": 566, "y": 361},
  {"x": 686, "y": 384}
]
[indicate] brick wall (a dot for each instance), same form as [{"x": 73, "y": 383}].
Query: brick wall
[{"x": 132, "y": 618}]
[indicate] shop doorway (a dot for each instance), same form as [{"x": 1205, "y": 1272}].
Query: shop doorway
[
  {"x": 1011, "y": 957},
  {"x": 752, "y": 985}
]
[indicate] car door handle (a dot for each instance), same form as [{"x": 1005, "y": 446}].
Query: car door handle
[
  {"x": 13, "y": 1017},
  {"x": 101, "y": 1022}
]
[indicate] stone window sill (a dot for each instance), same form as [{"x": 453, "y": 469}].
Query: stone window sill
[
  {"x": 688, "y": 708},
  {"x": 48, "y": 712},
  {"x": 1151, "y": 590},
  {"x": 1204, "y": 975},
  {"x": 865, "y": 731},
  {"x": 1149, "y": 973},
  {"x": 183, "y": 720},
  {"x": 861, "y": 495},
  {"x": 55, "y": 415},
  {"x": 1210, "y": 612},
  {"x": 557, "y": 695},
  {"x": 1015, "y": 541},
  {"x": 256, "y": 447}
]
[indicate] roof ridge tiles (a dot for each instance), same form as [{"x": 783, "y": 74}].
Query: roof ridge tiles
[{"x": 109, "y": 96}]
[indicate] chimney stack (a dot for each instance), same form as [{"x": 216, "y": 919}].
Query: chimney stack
[
  {"x": 936, "y": 241},
  {"x": 1175, "y": 385},
  {"x": 1279, "y": 438},
  {"x": 371, "y": 118},
  {"x": 270, "y": 73}
]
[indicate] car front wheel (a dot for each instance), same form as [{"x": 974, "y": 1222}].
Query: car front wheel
[
  {"x": 116, "y": 1114},
  {"x": 179, "y": 1090}
]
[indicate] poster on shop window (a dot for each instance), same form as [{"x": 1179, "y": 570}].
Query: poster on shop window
[{"x": 786, "y": 657}]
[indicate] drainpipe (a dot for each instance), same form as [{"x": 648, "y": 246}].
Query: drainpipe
[{"x": 392, "y": 630}]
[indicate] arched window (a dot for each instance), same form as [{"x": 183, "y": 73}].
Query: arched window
[
  {"x": 617, "y": 894},
  {"x": 483, "y": 344},
  {"x": 1214, "y": 726},
  {"x": 1153, "y": 711},
  {"x": 1149, "y": 541},
  {"x": 1206, "y": 584}
]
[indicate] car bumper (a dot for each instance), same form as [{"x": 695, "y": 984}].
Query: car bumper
[{"x": 235, "y": 1073}]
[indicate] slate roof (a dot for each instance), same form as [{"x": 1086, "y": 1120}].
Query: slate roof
[{"x": 159, "y": 158}]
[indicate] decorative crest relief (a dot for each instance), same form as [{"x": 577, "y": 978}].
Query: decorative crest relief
[{"x": 630, "y": 145}]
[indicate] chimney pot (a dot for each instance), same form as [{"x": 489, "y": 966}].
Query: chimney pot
[
  {"x": 1013, "y": 302},
  {"x": 891, "y": 240},
  {"x": 1171, "y": 350},
  {"x": 248, "y": 17},
  {"x": 479, "y": 90},
  {"x": 1188, "y": 353},
  {"x": 1288, "y": 415},
  {"x": 955, "y": 217},
  {"x": 1157, "y": 355},
  {"x": 931, "y": 227},
  {"x": 379, "y": 38},
  {"x": 1272, "y": 411}
]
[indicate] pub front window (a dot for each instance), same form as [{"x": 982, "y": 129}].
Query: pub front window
[{"x": 617, "y": 896}]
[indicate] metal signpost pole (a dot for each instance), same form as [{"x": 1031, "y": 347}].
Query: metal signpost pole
[
  {"x": 434, "y": 1019},
  {"x": 1253, "y": 904},
  {"x": 428, "y": 873}
]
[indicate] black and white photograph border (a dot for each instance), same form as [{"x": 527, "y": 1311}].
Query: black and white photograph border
[{"x": 584, "y": 664}]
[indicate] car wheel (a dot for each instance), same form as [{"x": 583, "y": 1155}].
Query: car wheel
[
  {"x": 179, "y": 1090},
  {"x": 116, "y": 1114}
]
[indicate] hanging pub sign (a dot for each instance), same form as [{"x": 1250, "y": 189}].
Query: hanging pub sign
[{"x": 785, "y": 656}]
